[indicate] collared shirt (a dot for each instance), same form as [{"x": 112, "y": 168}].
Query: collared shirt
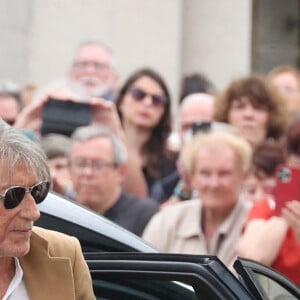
[
  {"x": 177, "y": 229},
  {"x": 17, "y": 289}
]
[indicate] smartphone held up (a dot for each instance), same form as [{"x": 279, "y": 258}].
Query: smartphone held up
[
  {"x": 64, "y": 116},
  {"x": 287, "y": 187}
]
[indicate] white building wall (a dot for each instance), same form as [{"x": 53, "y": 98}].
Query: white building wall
[
  {"x": 176, "y": 37},
  {"x": 217, "y": 39}
]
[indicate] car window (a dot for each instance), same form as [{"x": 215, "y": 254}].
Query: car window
[
  {"x": 153, "y": 276},
  {"x": 142, "y": 289},
  {"x": 264, "y": 282},
  {"x": 272, "y": 289}
]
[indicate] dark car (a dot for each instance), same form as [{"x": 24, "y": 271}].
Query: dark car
[{"x": 123, "y": 266}]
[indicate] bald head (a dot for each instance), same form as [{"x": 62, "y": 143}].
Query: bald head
[{"x": 195, "y": 108}]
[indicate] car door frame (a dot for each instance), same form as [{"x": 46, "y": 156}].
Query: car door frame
[{"x": 207, "y": 274}]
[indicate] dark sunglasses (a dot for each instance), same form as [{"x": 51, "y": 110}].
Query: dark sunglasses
[
  {"x": 14, "y": 195},
  {"x": 139, "y": 95}
]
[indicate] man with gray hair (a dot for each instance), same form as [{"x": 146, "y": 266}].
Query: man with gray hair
[
  {"x": 26, "y": 251},
  {"x": 92, "y": 73},
  {"x": 98, "y": 161}
]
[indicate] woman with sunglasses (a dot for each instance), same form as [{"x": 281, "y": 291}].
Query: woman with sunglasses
[
  {"x": 143, "y": 105},
  {"x": 35, "y": 263}
]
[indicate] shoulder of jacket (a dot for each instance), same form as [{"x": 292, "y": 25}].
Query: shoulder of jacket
[{"x": 57, "y": 241}]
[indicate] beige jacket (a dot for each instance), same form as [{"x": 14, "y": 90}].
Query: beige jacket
[
  {"x": 177, "y": 229},
  {"x": 55, "y": 268}
]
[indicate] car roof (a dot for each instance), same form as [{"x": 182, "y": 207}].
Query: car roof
[{"x": 57, "y": 211}]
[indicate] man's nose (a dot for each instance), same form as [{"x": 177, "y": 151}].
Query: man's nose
[
  {"x": 214, "y": 180},
  {"x": 87, "y": 170},
  {"x": 29, "y": 208},
  {"x": 90, "y": 68}
]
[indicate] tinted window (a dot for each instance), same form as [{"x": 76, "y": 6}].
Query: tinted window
[
  {"x": 142, "y": 289},
  {"x": 273, "y": 289}
]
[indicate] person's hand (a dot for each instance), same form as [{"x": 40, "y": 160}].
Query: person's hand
[
  {"x": 105, "y": 114},
  {"x": 291, "y": 213},
  {"x": 30, "y": 117},
  {"x": 59, "y": 184}
]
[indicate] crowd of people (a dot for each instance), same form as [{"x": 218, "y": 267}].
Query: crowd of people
[{"x": 207, "y": 189}]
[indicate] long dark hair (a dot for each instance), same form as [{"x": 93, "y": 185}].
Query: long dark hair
[{"x": 155, "y": 148}]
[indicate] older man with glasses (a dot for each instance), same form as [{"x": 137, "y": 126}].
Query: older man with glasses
[
  {"x": 92, "y": 73},
  {"x": 98, "y": 163}
]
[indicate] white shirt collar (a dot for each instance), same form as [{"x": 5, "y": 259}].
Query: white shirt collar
[{"x": 17, "y": 289}]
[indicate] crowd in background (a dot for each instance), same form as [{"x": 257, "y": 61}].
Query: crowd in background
[{"x": 208, "y": 188}]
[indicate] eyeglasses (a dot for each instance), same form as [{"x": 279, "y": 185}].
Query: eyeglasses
[
  {"x": 95, "y": 165},
  {"x": 100, "y": 67},
  {"x": 139, "y": 95},
  {"x": 14, "y": 195}
]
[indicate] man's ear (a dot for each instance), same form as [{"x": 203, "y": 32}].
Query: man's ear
[{"x": 122, "y": 170}]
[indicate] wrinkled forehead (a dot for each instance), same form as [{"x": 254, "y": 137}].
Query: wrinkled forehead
[
  {"x": 219, "y": 156},
  {"x": 93, "y": 53}
]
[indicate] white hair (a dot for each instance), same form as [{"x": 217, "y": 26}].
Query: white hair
[{"x": 197, "y": 97}]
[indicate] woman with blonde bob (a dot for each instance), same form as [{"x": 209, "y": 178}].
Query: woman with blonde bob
[{"x": 217, "y": 162}]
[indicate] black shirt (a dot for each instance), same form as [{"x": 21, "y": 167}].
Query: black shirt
[{"x": 132, "y": 213}]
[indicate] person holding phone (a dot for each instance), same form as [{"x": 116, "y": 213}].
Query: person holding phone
[
  {"x": 261, "y": 179},
  {"x": 103, "y": 113},
  {"x": 272, "y": 237}
]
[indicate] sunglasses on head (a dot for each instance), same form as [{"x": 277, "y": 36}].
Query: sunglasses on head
[
  {"x": 14, "y": 195},
  {"x": 139, "y": 95}
]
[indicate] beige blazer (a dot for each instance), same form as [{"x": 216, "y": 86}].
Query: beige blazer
[{"x": 55, "y": 268}]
